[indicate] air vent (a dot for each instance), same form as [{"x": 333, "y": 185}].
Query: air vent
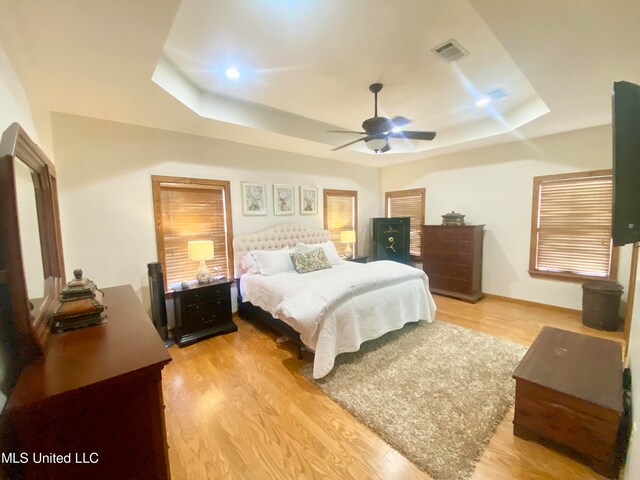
[
  {"x": 497, "y": 94},
  {"x": 450, "y": 51}
]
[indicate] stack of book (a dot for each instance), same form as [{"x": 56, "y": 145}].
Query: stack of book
[{"x": 80, "y": 305}]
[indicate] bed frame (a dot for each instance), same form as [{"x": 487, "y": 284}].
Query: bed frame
[{"x": 273, "y": 238}]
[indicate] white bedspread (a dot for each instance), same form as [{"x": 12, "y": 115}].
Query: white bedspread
[{"x": 337, "y": 309}]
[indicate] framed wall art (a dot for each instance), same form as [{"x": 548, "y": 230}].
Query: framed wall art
[
  {"x": 283, "y": 201},
  {"x": 254, "y": 198},
  {"x": 308, "y": 200}
]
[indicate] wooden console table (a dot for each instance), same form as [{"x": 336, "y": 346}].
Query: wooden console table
[
  {"x": 94, "y": 398},
  {"x": 569, "y": 394}
]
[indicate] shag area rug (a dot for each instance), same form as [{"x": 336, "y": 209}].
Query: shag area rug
[{"x": 435, "y": 392}]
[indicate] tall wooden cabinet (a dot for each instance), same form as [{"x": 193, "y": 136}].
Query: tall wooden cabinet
[
  {"x": 452, "y": 259},
  {"x": 95, "y": 399}
]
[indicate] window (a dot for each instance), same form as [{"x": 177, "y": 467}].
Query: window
[
  {"x": 340, "y": 214},
  {"x": 571, "y": 226},
  {"x": 191, "y": 209},
  {"x": 408, "y": 203}
]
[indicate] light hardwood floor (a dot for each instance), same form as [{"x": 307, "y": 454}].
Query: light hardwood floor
[{"x": 237, "y": 408}]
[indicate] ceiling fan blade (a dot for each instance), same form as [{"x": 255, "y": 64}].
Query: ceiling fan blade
[
  {"x": 385, "y": 149},
  {"x": 400, "y": 121},
  {"x": 346, "y": 131},
  {"x": 413, "y": 135},
  {"x": 347, "y": 144}
]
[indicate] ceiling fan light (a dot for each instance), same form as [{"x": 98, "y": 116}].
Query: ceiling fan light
[
  {"x": 232, "y": 73},
  {"x": 376, "y": 143}
]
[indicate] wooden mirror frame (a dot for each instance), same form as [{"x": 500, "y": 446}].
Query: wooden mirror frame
[{"x": 25, "y": 335}]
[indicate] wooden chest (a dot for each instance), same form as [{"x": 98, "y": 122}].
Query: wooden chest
[
  {"x": 569, "y": 394},
  {"x": 452, "y": 259}
]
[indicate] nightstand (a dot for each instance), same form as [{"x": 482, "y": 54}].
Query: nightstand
[
  {"x": 203, "y": 311},
  {"x": 360, "y": 259}
]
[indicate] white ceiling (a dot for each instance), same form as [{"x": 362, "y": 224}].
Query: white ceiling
[{"x": 306, "y": 67}]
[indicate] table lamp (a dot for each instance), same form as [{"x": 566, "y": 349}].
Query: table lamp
[
  {"x": 348, "y": 237},
  {"x": 201, "y": 250}
]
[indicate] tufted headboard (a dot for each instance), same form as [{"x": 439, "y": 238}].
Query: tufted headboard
[{"x": 274, "y": 238}]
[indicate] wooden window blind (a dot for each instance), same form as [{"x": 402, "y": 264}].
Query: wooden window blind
[
  {"x": 408, "y": 203},
  {"x": 571, "y": 226},
  {"x": 189, "y": 209},
  {"x": 341, "y": 213}
]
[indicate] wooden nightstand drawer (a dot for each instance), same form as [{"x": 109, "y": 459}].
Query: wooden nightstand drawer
[
  {"x": 205, "y": 314},
  {"x": 204, "y": 293}
]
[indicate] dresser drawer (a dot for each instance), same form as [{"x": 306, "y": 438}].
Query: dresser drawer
[
  {"x": 449, "y": 284},
  {"x": 447, "y": 269},
  {"x": 447, "y": 250},
  {"x": 449, "y": 233}
]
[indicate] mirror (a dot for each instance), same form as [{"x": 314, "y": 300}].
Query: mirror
[
  {"x": 31, "y": 262},
  {"x": 29, "y": 235}
]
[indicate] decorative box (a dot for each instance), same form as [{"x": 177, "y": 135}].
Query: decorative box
[
  {"x": 80, "y": 305},
  {"x": 453, "y": 218}
]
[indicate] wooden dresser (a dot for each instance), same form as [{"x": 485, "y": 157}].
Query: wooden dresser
[
  {"x": 452, "y": 259},
  {"x": 202, "y": 311},
  {"x": 569, "y": 393},
  {"x": 95, "y": 399}
]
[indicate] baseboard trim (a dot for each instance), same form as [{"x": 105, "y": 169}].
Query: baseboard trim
[{"x": 533, "y": 304}]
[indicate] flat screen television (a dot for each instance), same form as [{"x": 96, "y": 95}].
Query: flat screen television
[{"x": 626, "y": 163}]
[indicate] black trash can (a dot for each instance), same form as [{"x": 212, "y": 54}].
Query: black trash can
[{"x": 601, "y": 304}]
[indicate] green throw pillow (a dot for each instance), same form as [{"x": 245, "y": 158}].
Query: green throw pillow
[{"x": 305, "y": 262}]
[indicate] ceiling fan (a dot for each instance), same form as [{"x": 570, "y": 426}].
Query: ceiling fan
[{"x": 378, "y": 130}]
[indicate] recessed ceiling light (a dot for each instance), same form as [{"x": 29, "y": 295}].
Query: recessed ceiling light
[
  {"x": 483, "y": 101},
  {"x": 232, "y": 73}
]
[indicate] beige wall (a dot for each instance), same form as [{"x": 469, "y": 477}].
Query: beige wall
[
  {"x": 493, "y": 186},
  {"x": 14, "y": 106},
  {"x": 105, "y": 169}
]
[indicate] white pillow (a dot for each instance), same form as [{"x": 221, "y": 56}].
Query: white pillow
[
  {"x": 328, "y": 247},
  {"x": 249, "y": 264},
  {"x": 271, "y": 262}
]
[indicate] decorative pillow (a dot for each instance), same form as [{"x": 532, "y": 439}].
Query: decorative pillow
[
  {"x": 328, "y": 247},
  {"x": 305, "y": 262},
  {"x": 271, "y": 262}
]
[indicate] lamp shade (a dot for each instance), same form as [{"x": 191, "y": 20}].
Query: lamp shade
[
  {"x": 376, "y": 143},
  {"x": 348, "y": 236},
  {"x": 200, "y": 250}
]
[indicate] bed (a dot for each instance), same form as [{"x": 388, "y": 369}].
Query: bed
[{"x": 329, "y": 311}]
